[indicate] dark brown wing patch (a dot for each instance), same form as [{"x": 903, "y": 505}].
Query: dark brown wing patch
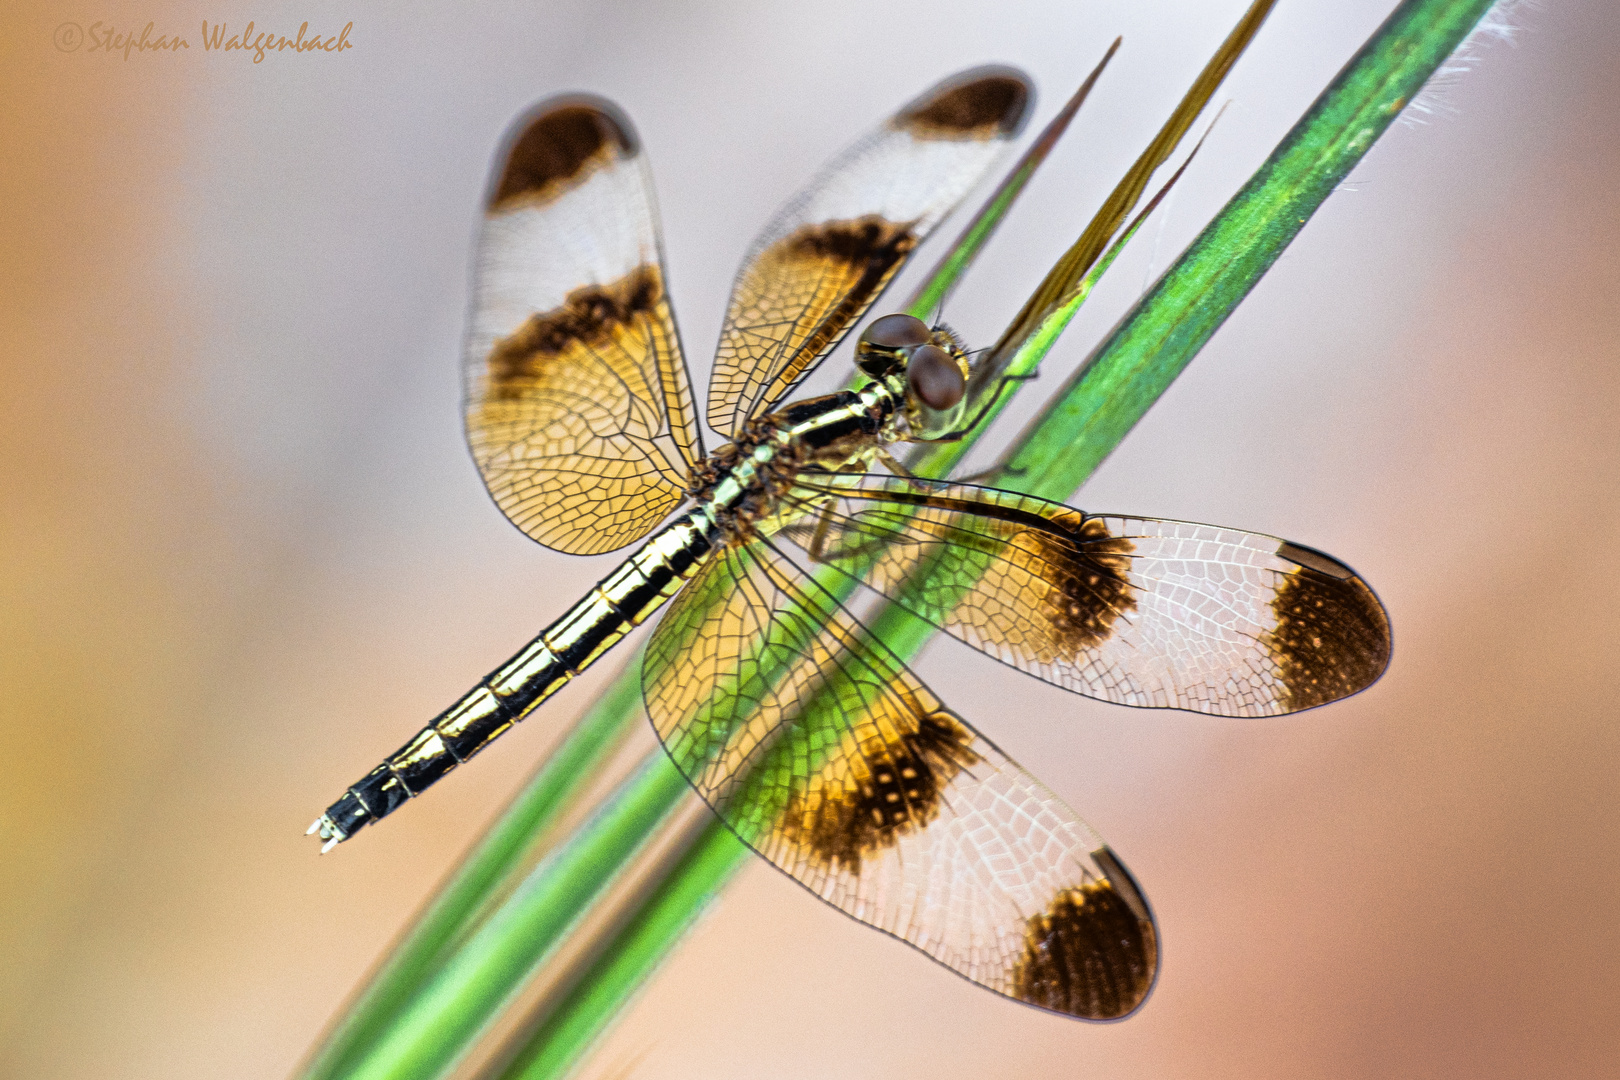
[
  {"x": 1332, "y": 635},
  {"x": 1087, "y": 578},
  {"x": 869, "y": 243},
  {"x": 594, "y": 317},
  {"x": 864, "y": 252},
  {"x": 793, "y": 302},
  {"x": 1089, "y": 954},
  {"x": 898, "y": 792},
  {"x": 980, "y": 108},
  {"x": 557, "y": 152}
]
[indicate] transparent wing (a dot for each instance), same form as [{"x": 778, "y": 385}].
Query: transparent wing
[
  {"x": 1163, "y": 614},
  {"x": 579, "y": 409},
  {"x": 835, "y": 246},
  {"x": 829, "y": 758}
]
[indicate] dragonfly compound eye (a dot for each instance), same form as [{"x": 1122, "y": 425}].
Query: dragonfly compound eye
[
  {"x": 896, "y": 332},
  {"x": 934, "y": 378}
]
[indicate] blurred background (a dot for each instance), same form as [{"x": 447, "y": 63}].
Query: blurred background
[{"x": 244, "y": 552}]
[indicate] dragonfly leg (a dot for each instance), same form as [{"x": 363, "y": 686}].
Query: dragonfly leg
[
  {"x": 992, "y": 473},
  {"x": 893, "y": 464},
  {"x": 818, "y": 539}
]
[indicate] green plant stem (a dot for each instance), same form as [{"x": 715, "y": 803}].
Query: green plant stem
[
  {"x": 1017, "y": 354},
  {"x": 1137, "y": 362},
  {"x": 1117, "y": 207},
  {"x": 1097, "y": 409},
  {"x": 469, "y": 989},
  {"x": 634, "y": 954}
]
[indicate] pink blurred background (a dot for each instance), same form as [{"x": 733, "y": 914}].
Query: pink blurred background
[{"x": 245, "y": 551}]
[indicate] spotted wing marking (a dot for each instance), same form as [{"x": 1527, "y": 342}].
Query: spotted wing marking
[
  {"x": 1138, "y": 611},
  {"x": 818, "y": 747}
]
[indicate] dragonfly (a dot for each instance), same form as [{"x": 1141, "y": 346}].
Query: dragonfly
[{"x": 795, "y": 722}]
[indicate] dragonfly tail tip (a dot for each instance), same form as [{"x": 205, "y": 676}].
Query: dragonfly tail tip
[{"x": 328, "y": 831}]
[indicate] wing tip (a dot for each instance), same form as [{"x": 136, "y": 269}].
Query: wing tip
[
  {"x": 993, "y": 101},
  {"x": 1093, "y": 954},
  {"x": 1332, "y": 637},
  {"x": 556, "y": 145}
]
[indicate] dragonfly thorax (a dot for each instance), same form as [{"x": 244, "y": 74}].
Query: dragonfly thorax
[{"x": 744, "y": 482}]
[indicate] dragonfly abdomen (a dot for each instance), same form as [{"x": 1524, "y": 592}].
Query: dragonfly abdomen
[{"x": 615, "y": 606}]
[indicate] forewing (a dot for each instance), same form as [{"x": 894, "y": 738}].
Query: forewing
[
  {"x": 828, "y": 757},
  {"x": 579, "y": 410},
  {"x": 828, "y": 253},
  {"x": 1137, "y": 611}
]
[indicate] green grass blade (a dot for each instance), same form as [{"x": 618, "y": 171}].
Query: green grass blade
[
  {"x": 455, "y": 1005},
  {"x": 1117, "y": 207},
  {"x": 1167, "y": 327},
  {"x": 1054, "y": 303},
  {"x": 566, "y": 1034},
  {"x": 940, "y": 458}
]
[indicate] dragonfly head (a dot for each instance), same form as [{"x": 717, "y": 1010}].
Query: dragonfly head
[{"x": 926, "y": 368}]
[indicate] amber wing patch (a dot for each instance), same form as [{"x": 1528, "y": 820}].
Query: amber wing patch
[
  {"x": 792, "y": 304},
  {"x": 1036, "y": 584},
  {"x": 566, "y": 431},
  {"x": 597, "y": 318}
]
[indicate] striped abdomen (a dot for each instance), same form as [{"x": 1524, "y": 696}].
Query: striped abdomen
[{"x": 618, "y": 604}]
